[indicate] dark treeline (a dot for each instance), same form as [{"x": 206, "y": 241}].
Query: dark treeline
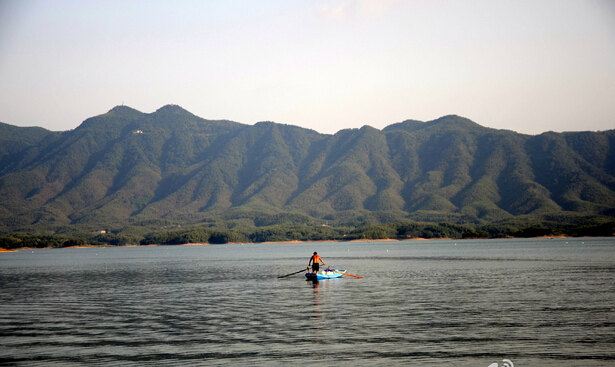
[{"x": 582, "y": 226}]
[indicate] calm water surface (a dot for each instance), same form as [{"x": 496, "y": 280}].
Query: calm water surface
[{"x": 423, "y": 303}]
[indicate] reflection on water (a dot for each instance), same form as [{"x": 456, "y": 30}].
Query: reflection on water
[{"x": 547, "y": 303}]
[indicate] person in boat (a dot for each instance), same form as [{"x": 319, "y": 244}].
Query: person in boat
[{"x": 315, "y": 262}]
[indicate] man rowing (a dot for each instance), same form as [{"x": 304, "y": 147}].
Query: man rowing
[{"x": 315, "y": 262}]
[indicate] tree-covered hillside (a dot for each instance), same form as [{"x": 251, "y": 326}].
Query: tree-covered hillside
[{"x": 126, "y": 167}]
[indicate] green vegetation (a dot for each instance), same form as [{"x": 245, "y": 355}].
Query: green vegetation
[
  {"x": 518, "y": 227},
  {"x": 172, "y": 177}
]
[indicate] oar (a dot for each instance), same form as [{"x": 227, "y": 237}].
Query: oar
[
  {"x": 354, "y": 275},
  {"x": 287, "y": 275}
]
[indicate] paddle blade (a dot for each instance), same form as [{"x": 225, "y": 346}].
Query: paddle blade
[{"x": 353, "y": 275}]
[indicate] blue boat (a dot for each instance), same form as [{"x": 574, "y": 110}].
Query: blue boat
[{"x": 325, "y": 274}]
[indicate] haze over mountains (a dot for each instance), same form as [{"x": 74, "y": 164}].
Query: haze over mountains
[{"x": 126, "y": 166}]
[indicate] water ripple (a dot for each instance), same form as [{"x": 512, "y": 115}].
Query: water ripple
[{"x": 427, "y": 306}]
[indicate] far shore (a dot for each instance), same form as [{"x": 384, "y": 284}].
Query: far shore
[{"x": 297, "y": 242}]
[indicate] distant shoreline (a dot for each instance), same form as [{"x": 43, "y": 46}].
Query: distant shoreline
[
  {"x": 298, "y": 242},
  {"x": 295, "y": 233}
]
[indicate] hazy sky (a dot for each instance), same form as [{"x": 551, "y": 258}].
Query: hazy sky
[{"x": 529, "y": 66}]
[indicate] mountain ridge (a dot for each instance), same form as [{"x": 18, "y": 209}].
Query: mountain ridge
[
  {"x": 178, "y": 108},
  {"x": 126, "y": 165}
]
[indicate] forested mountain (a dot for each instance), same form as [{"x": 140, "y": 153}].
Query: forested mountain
[{"x": 126, "y": 166}]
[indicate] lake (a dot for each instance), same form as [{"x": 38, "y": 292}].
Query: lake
[{"x": 547, "y": 302}]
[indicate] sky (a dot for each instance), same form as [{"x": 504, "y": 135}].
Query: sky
[{"x": 529, "y": 66}]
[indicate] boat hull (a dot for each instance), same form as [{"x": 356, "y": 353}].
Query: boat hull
[{"x": 323, "y": 275}]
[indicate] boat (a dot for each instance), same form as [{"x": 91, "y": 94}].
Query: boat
[{"x": 325, "y": 274}]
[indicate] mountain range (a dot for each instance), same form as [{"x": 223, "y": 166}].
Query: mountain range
[{"x": 126, "y": 166}]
